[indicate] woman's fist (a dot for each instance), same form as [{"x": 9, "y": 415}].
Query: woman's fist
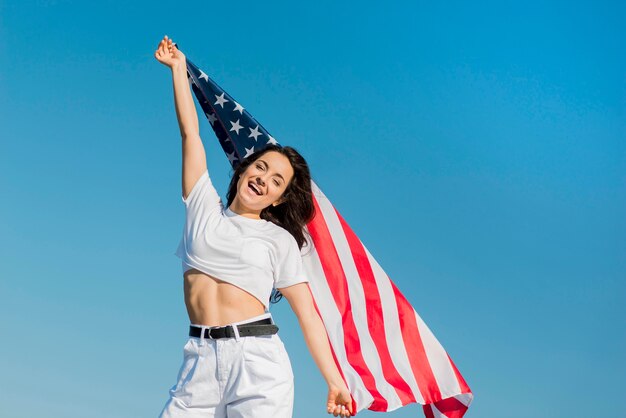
[{"x": 168, "y": 54}]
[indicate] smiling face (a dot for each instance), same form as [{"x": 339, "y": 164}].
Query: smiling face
[{"x": 262, "y": 183}]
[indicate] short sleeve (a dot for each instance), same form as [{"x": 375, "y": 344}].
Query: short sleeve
[
  {"x": 289, "y": 270},
  {"x": 201, "y": 204},
  {"x": 202, "y": 201},
  {"x": 203, "y": 194}
]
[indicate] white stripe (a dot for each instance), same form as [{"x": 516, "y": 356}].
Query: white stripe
[
  {"x": 357, "y": 302},
  {"x": 437, "y": 413},
  {"x": 393, "y": 331},
  {"x": 439, "y": 362},
  {"x": 465, "y": 398}
]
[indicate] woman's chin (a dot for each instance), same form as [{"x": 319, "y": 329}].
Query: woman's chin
[{"x": 251, "y": 203}]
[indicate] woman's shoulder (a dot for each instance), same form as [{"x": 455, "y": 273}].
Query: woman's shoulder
[
  {"x": 281, "y": 235},
  {"x": 276, "y": 231}
]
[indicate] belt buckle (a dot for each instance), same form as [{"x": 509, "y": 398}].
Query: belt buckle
[{"x": 209, "y": 331}]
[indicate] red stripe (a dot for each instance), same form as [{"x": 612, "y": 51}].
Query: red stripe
[
  {"x": 464, "y": 387},
  {"x": 415, "y": 349},
  {"x": 451, "y": 407},
  {"x": 375, "y": 316},
  {"x": 335, "y": 276},
  {"x": 428, "y": 411}
]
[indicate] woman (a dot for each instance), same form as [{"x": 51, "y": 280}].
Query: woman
[{"x": 235, "y": 365}]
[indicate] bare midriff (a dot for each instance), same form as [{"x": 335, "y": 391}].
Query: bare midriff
[{"x": 213, "y": 302}]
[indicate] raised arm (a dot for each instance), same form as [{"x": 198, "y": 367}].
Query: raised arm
[
  {"x": 194, "y": 156},
  {"x": 339, "y": 401}
]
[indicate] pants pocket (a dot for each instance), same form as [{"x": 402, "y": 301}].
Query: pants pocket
[
  {"x": 186, "y": 373},
  {"x": 265, "y": 358}
]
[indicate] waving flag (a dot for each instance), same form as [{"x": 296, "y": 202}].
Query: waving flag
[{"x": 387, "y": 355}]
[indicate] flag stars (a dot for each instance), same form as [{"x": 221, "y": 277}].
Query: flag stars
[
  {"x": 203, "y": 75},
  {"x": 238, "y": 108},
  {"x": 249, "y": 152},
  {"x": 236, "y": 126},
  {"x": 254, "y": 133},
  {"x": 231, "y": 157},
  {"x": 211, "y": 117},
  {"x": 272, "y": 140},
  {"x": 221, "y": 100}
]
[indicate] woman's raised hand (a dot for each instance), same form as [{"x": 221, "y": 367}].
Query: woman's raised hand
[{"x": 168, "y": 54}]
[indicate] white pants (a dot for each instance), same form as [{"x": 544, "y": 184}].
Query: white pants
[{"x": 240, "y": 377}]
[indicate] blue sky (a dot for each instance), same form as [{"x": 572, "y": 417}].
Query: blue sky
[{"x": 478, "y": 150}]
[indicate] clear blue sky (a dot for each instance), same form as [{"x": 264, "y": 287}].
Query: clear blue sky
[{"x": 478, "y": 150}]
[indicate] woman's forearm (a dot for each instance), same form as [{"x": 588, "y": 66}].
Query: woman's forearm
[
  {"x": 319, "y": 346},
  {"x": 300, "y": 298},
  {"x": 185, "y": 108}
]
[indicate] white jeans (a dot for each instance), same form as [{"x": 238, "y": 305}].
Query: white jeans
[{"x": 240, "y": 377}]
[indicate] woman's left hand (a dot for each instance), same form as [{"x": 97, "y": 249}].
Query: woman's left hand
[{"x": 339, "y": 400}]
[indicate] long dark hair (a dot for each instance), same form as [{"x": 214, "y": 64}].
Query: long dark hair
[{"x": 297, "y": 208}]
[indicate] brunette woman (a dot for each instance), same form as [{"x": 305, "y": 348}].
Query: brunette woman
[{"x": 233, "y": 257}]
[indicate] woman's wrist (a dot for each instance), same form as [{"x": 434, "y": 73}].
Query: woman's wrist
[
  {"x": 179, "y": 66},
  {"x": 335, "y": 382}
]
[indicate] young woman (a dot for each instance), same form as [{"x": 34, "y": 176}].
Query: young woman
[{"x": 235, "y": 364}]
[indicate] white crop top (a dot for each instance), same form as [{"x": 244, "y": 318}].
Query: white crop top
[{"x": 254, "y": 255}]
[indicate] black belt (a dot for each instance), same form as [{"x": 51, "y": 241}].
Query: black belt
[{"x": 260, "y": 327}]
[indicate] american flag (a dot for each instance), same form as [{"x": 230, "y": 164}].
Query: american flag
[{"x": 387, "y": 355}]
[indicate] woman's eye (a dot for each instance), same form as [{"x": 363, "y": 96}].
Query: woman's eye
[
  {"x": 259, "y": 166},
  {"x": 276, "y": 183}
]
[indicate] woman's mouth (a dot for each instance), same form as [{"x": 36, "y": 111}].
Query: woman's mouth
[{"x": 254, "y": 188}]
